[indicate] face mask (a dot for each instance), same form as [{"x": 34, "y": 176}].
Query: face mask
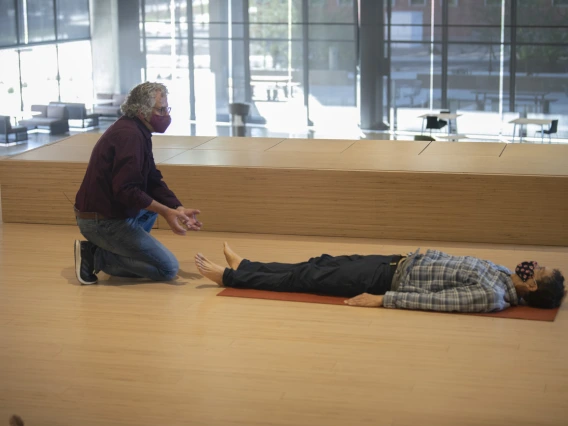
[
  {"x": 525, "y": 270},
  {"x": 160, "y": 122}
]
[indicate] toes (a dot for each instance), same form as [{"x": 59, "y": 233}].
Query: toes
[{"x": 199, "y": 261}]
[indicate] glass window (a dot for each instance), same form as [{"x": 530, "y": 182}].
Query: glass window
[
  {"x": 160, "y": 58},
  {"x": 157, "y": 10},
  {"x": 411, "y": 84},
  {"x": 541, "y": 83},
  {"x": 276, "y": 76},
  {"x": 37, "y": 21},
  {"x": 76, "y": 82},
  {"x": 9, "y": 82},
  {"x": 333, "y": 66},
  {"x": 414, "y": 23},
  {"x": 330, "y": 12},
  {"x": 8, "y": 34},
  {"x": 211, "y": 86},
  {"x": 275, "y": 60},
  {"x": 540, "y": 15},
  {"x": 39, "y": 75},
  {"x": 73, "y": 19},
  {"x": 166, "y": 38},
  {"x": 474, "y": 22},
  {"x": 162, "y": 21},
  {"x": 212, "y": 75},
  {"x": 275, "y": 19},
  {"x": 474, "y": 77},
  {"x": 541, "y": 88}
]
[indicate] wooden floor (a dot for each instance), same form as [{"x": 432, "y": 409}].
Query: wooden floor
[{"x": 175, "y": 354}]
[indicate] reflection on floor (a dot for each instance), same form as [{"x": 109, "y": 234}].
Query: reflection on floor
[{"x": 37, "y": 138}]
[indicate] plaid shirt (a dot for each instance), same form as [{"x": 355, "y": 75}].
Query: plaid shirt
[{"x": 437, "y": 281}]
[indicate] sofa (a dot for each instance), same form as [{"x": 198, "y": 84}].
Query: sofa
[
  {"x": 108, "y": 104},
  {"x": 20, "y": 133},
  {"x": 53, "y": 117},
  {"x": 78, "y": 112}
]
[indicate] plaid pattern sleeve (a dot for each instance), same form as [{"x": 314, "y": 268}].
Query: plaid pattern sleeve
[{"x": 437, "y": 281}]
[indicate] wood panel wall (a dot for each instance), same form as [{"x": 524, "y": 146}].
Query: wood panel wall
[{"x": 367, "y": 204}]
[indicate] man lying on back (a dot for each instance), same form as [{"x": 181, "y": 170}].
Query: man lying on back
[{"x": 433, "y": 281}]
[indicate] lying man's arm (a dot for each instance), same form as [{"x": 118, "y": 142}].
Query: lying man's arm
[
  {"x": 472, "y": 298},
  {"x": 463, "y": 299}
]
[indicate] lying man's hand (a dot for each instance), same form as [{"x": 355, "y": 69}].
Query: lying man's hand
[
  {"x": 365, "y": 300},
  {"x": 192, "y": 224}
]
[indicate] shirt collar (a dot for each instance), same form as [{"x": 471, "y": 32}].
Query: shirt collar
[
  {"x": 513, "y": 298},
  {"x": 147, "y": 134}
]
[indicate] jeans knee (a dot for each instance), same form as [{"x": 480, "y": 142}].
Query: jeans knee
[{"x": 170, "y": 271}]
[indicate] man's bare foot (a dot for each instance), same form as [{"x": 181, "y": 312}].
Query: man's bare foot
[
  {"x": 233, "y": 259},
  {"x": 209, "y": 269}
]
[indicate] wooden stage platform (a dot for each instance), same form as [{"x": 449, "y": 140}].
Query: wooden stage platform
[{"x": 443, "y": 191}]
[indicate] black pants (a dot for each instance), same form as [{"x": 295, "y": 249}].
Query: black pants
[{"x": 344, "y": 276}]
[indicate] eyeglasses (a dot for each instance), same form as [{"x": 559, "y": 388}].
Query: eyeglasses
[{"x": 163, "y": 110}]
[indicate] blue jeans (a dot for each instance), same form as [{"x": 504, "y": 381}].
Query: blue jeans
[{"x": 125, "y": 247}]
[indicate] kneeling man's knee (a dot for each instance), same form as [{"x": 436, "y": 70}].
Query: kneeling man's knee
[{"x": 170, "y": 271}]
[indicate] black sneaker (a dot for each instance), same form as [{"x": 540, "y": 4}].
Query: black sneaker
[{"x": 85, "y": 262}]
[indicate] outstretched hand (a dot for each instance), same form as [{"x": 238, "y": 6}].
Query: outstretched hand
[
  {"x": 192, "y": 223},
  {"x": 177, "y": 221},
  {"x": 365, "y": 300}
]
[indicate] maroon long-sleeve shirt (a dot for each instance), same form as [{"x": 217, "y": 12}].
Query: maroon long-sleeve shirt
[{"x": 122, "y": 177}]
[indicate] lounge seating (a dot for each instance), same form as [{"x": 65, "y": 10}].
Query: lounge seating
[
  {"x": 78, "y": 112},
  {"x": 110, "y": 109},
  {"x": 54, "y": 117},
  {"x": 20, "y": 133}
]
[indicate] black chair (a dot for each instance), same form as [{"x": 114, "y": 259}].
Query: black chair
[
  {"x": 20, "y": 133},
  {"x": 551, "y": 130},
  {"x": 433, "y": 122}
]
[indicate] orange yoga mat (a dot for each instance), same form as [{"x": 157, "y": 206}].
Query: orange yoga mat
[{"x": 515, "y": 312}]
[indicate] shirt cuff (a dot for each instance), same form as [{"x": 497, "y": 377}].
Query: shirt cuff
[{"x": 389, "y": 299}]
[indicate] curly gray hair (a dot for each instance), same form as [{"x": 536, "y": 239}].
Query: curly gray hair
[{"x": 142, "y": 99}]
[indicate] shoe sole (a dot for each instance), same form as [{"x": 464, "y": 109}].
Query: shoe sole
[{"x": 77, "y": 250}]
